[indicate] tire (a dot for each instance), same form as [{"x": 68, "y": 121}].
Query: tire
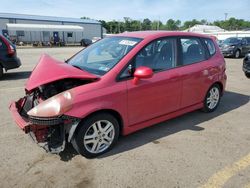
[
  {"x": 83, "y": 44},
  {"x": 247, "y": 74},
  {"x": 237, "y": 54},
  {"x": 91, "y": 138},
  {"x": 212, "y": 99},
  {"x": 1, "y": 72}
]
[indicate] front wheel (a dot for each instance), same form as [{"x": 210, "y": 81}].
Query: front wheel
[
  {"x": 96, "y": 135},
  {"x": 237, "y": 54},
  {"x": 212, "y": 98},
  {"x": 1, "y": 72},
  {"x": 247, "y": 74}
]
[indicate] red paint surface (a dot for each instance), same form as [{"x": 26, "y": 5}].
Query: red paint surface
[
  {"x": 49, "y": 70},
  {"x": 165, "y": 95}
]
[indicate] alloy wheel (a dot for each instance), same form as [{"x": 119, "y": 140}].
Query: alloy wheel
[
  {"x": 213, "y": 98},
  {"x": 99, "y": 136}
]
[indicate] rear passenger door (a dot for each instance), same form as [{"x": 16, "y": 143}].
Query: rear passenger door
[
  {"x": 247, "y": 45},
  {"x": 194, "y": 70},
  {"x": 244, "y": 46}
]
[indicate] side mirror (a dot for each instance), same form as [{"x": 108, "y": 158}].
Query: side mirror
[{"x": 142, "y": 73}]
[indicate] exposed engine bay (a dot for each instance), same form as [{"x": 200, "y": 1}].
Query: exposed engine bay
[
  {"x": 49, "y": 132},
  {"x": 51, "y": 89}
]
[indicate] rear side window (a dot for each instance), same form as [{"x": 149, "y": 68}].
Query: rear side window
[
  {"x": 2, "y": 44},
  {"x": 210, "y": 46},
  {"x": 192, "y": 50}
]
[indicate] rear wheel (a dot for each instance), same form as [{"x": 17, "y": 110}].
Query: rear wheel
[
  {"x": 212, "y": 98},
  {"x": 1, "y": 72},
  {"x": 247, "y": 74},
  {"x": 96, "y": 135},
  {"x": 237, "y": 54}
]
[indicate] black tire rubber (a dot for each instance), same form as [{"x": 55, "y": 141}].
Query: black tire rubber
[
  {"x": 247, "y": 74},
  {"x": 235, "y": 54},
  {"x": 1, "y": 72},
  {"x": 78, "y": 141},
  {"x": 83, "y": 44},
  {"x": 205, "y": 106}
]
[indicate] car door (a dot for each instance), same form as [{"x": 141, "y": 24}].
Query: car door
[
  {"x": 247, "y": 45},
  {"x": 194, "y": 71},
  {"x": 244, "y": 46},
  {"x": 159, "y": 95}
]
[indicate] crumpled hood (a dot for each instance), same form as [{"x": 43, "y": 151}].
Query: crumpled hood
[{"x": 50, "y": 70}]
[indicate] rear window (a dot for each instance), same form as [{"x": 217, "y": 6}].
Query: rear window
[{"x": 210, "y": 46}]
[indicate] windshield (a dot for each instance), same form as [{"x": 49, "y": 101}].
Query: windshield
[
  {"x": 231, "y": 41},
  {"x": 103, "y": 55}
]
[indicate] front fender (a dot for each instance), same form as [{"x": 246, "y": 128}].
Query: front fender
[{"x": 110, "y": 98}]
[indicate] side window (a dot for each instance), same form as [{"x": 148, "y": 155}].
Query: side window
[
  {"x": 244, "y": 41},
  {"x": 158, "y": 55},
  {"x": 210, "y": 46},
  {"x": 2, "y": 45},
  {"x": 248, "y": 40},
  {"x": 192, "y": 51},
  {"x": 20, "y": 33}
]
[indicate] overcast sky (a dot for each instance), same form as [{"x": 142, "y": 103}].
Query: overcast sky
[{"x": 135, "y": 9}]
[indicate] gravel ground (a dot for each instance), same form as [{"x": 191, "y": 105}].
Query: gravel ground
[{"x": 184, "y": 152}]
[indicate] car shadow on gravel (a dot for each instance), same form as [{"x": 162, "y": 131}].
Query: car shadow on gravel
[
  {"x": 16, "y": 75},
  {"x": 190, "y": 121},
  {"x": 68, "y": 153}
]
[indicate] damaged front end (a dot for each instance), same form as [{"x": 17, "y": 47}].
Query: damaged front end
[
  {"x": 41, "y": 114},
  {"x": 49, "y": 95}
]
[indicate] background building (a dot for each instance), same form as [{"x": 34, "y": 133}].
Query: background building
[
  {"x": 33, "y": 28},
  {"x": 218, "y": 32}
]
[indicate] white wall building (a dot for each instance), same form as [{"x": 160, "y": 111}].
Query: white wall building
[
  {"x": 32, "y": 28},
  {"x": 218, "y": 32}
]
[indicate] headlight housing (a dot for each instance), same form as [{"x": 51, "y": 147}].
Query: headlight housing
[
  {"x": 231, "y": 47},
  {"x": 54, "y": 106}
]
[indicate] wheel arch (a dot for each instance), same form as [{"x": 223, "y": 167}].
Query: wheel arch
[
  {"x": 220, "y": 86},
  {"x": 114, "y": 113}
]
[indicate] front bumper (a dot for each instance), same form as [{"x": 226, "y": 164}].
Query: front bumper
[
  {"x": 49, "y": 133},
  {"x": 22, "y": 122},
  {"x": 227, "y": 53},
  {"x": 246, "y": 67}
]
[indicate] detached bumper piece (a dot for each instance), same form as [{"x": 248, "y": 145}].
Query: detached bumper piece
[
  {"x": 51, "y": 138},
  {"x": 49, "y": 133},
  {"x": 22, "y": 122}
]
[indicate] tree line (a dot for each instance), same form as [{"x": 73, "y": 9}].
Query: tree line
[{"x": 128, "y": 24}]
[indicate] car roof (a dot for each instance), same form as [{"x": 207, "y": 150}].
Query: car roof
[{"x": 157, "y": 34}]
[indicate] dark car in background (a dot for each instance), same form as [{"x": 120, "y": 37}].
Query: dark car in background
[
  {"x": 235, "y": 46},
  {"x": 246, "y": 65},
  {"x": 8, "y": 56},
  {"x": 86, "y": 42}
]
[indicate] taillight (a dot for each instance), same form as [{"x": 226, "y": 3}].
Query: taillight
[{"x": 10, "y": 48}]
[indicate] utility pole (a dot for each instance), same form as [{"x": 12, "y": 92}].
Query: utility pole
[
  {"x": 226, "y": 14},
  {"x": 119, "y": 30},
  {"x": 158, "y": 23}
]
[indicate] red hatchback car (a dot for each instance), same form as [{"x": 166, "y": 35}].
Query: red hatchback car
[{"x": 117, "y": 86}]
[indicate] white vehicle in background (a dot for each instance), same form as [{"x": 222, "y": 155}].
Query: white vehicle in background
[{"x": 95, "y": 39}]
